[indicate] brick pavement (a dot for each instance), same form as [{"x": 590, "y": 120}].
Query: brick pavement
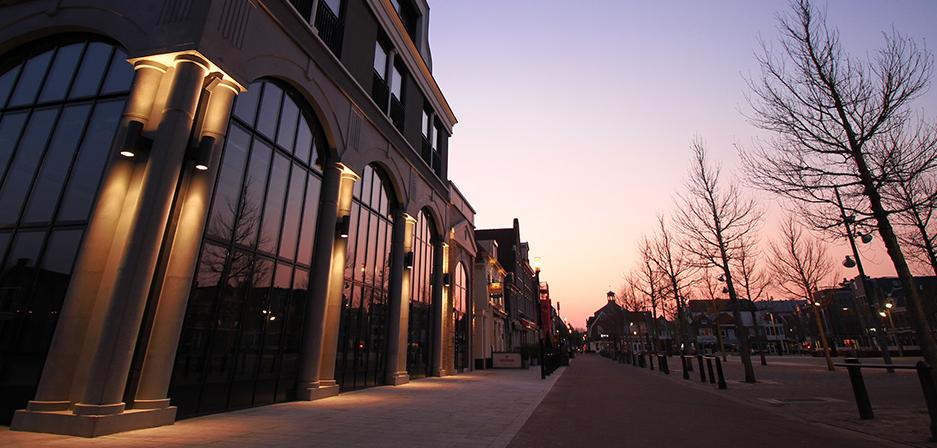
[
  {"x": 477, "y": 409},
  {"x": 599, "y": 402},
  {"x": 900, "y": 411}
]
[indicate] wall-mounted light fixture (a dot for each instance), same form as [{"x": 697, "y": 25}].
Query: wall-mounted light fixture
[
  {"x": 202, "y": 154},
  {"x": 133, "y": 140},
  {"x": 343, "y": 225},
  {"x": 408, "y": 260}
]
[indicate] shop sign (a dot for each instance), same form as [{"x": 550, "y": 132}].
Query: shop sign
[{"x": 506, "y": 360}]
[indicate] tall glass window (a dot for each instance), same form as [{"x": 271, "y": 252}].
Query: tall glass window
[
  {"x": 419, "y": 332},
  {"x": 60, "y": 106},
  {"x": 243, "y": 328},
  {"x": 361, "y": 357},
  {"x": 460, "y": 318}
]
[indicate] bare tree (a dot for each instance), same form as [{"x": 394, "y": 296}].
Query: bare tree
[
  {"x": 754, "y": 282},
  {"x": 832, "y": 115},
  {"x": 707, "y": 288},
  {"x": 914, "y": 193},
  {"x": 648, "y": 282},
  {"x": 802, "y": 265},
  {"x": 678, "y": 268},
  {"x": 629, "y": 298},
  {"x": 714, "y": 220}
]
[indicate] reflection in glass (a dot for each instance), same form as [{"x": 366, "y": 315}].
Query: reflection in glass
[
  {"x": 460, "y": 318},
  {"x": 419, "y": 332},
  {"x": 243, "y": 328},
  {"x": 361, "y": 354},
  {"x": 52, "y": 154}
]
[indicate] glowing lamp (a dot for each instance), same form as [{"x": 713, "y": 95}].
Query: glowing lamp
[
  {"x": 889, "y": 305},
  {"x": 127, "y": 153},
  {"x": 537, "y": 264},
  {"x": 882, "y": 313}
]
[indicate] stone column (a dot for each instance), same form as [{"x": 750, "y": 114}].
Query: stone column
[
  {"x": 153, "y": 388},
  {"x": 399, "y": 289},
  {"x": 327, "y": 386},
  {"x": 325, "y": 241},
  {"x": 440, "y": 297},
  {"x": 74, "y": 326},
  {"x": 104, "y": 390}
]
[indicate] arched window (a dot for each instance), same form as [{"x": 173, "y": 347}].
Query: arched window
[
  {"x": 361, "y": 360},
  {"x": 420, "y": 329},
  {"x": 460, "y": 318},
  {"x": 242, "y": 334},
  {"x": 60, "y": 106}
]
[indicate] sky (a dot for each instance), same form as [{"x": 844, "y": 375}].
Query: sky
[{"x": 576, "y": 117}]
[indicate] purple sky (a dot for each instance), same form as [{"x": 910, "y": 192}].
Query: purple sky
[{"x": 576, "y": 116}]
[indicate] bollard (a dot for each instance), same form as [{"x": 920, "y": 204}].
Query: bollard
[
  {"x": 690, "y": 365},
  {"x": 930, "y": 395},
  {"x": 709, "y": 367},
  {"x": 664, "y": 365},
  {"x": 641, "y": 362},
  {"x": 722, "y": 378},
  {"x": 702, "y": 372},
  {"x": 686, "y": 367},
  {"x": 650, "y": 361},
  {"x": 764, "y": 361},
  {"x": 858, "y": 389}
]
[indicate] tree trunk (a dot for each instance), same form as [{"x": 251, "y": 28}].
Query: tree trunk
[
  {"x": 913, "y": 296},
  {"x": 823, "y": 343}
]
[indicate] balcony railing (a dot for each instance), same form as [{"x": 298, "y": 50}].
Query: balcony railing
[{"x": 329, "y": 25}]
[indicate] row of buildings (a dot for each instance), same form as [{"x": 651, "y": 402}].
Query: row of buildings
[
  {"x": 849, "y": 320},
  {"x": 218, "y": 204}
]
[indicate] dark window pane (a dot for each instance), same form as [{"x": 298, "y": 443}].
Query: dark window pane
[
  {"x": 92, "y": 69},
  {"x": 10, "y": 128},
  {"x": 60, "y": 76},
  {"x": 273, "y": 206},
  {"x": 6, "y": 83},
  {"x": 45, "y": 194},
  {"x": 310, "y": 212},
  {"x": 28, "y": 154},
  {"x": 120, "y": 76},
  {"x": 245, "y": 106},
  {"x": 269, "y": 110},
  {"x": 248, "y": 222},
  {"x": 287, "y": 130},
  {"x": 86, "y": 174},
  {"x": 31, "y": 79},
  {"x": 53, "y": 281},
  {"x": 19, "y": 271},
  {"x": 228, "y": 190},
  {"x": 304, "y": 141},
  {"x": 294, "y": 205}
]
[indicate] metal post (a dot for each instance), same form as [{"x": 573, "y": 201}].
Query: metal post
[
  {"x": 722, "y": 378},
  {"x": 930, "y": 396},
  {"x": 686, "y": 367},
  {"x": 702, "y": 371},
  {"x": 858, "y": 389},
  {"x": 664, "y": 365},
  {"x": 650, "y": 361},
  {"x": 709, "y": 367}
]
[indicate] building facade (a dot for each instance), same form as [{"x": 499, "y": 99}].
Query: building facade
[
  {"x": 219, "y": 204},
  {"x": 521, "y": 289},
  {"x": 491, "y": 317}
]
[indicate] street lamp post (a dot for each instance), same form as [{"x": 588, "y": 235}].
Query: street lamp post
[
  {"x": 543, "y": 369},
  {"x": 869, "y": 291},
  {"x": 817, "y": 309},
  {"x": 891, "y": 322}
]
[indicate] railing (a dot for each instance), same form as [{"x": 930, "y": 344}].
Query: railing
[
  {"x": 861, "y": 395},
  {"x": 330, "y": 27}
]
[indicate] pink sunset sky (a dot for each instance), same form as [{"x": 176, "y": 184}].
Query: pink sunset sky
[{"x": 576, "y": 116}]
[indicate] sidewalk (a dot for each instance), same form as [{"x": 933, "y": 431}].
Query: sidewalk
[
  {"x": 599, "y": 402},
  {"x": 477, "y": 409}
]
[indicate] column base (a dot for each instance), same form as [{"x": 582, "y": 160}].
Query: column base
[
  {"x": 442, "y": 372},
  {"x": 398, "y": 378},
  {"x": 318, "y": 391},
  {"x": 68, "y": 423}
]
